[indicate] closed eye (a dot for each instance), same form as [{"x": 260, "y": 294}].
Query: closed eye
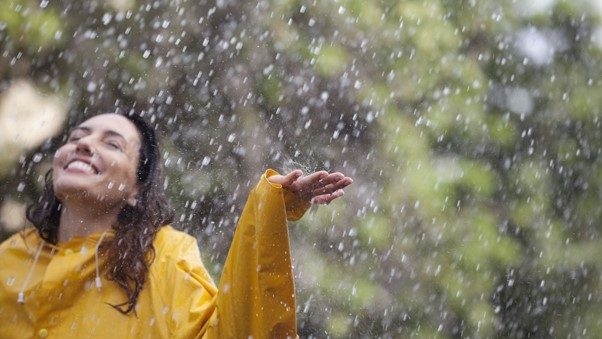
[
  {"x": 77, "y": 134},
  {"x": 114, "y": 145},
  {"x": 74, "y": 137}
]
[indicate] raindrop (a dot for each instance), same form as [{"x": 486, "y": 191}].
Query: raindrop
[
  {"x": 106, "y": 18},
  {"x": 91, "y": 87}
]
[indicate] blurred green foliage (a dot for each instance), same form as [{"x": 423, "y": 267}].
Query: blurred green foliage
[{"x": 30, "y": 27}]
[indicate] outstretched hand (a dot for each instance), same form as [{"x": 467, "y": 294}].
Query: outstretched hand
[{"x": 318, "y": 188}]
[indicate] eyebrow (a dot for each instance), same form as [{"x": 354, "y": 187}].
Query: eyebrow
[{"x": 109, "y": 132}]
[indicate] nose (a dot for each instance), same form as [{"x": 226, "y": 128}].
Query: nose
[{"x": 83, "y": 146}]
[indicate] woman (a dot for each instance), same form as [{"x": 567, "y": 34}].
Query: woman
[{"x": 102, "y": 261}]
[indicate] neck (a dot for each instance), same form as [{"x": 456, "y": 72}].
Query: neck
[{"x": 81, "y": 220}]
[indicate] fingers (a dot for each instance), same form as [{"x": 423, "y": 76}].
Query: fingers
[
  {"x": 332, "y": 183},
  {"x": 332, "y": 178},
  {"x": 290, "y": 178},
  {"x": 313, "y": 178},
  {"x": 319, "y": 187},
  {"x": 325, "y": 199},
  {"x": 308, "y": 183},
  {"x": 286, "y": 180}
]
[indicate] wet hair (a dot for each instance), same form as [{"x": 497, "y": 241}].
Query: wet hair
[{"x": 130, "y": 252}]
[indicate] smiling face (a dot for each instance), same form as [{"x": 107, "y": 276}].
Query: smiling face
[{"x": 98, "y": 164}]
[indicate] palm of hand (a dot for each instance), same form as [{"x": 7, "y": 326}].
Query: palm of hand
[{"x": 318, "y": 188}]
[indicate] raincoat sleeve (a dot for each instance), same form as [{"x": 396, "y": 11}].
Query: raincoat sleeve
[
  {"x": 256, "y": 296},
  {"x": 256, "y": 293}
]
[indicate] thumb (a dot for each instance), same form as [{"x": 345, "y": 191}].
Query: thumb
[
  {"x": 286, "y": 180},
  {"x": 290, "y": 178}
]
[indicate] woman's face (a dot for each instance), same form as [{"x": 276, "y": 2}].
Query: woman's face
[{"x": 98, "y": 164}]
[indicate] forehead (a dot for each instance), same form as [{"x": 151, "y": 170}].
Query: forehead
[{"x": 112, "y": 123}]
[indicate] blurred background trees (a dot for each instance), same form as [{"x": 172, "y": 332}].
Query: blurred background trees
[{"x": 471, "y": 128}]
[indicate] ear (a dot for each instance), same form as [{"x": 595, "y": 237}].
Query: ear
[{"x": 132, "y": 199}]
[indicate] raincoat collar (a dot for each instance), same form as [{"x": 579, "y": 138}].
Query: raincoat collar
[{"x": 77, "y": 242}]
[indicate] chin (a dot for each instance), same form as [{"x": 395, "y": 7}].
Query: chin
[
  {"x": 74, "y": 187},
  {"x": 93, "y": 194},
  {"x": 67, "y": 192}
]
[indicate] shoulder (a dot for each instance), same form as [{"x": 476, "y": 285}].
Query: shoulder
[
  {"x": 169, "y": 236},
  {"x": 177, "y": 253},
  {"x": 171, "y": 243}
]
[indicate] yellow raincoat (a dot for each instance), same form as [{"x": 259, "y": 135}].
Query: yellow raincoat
[{"x": 60, "y": 297}]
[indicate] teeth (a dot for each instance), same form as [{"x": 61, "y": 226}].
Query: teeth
[{"x": 82, "y": 166}]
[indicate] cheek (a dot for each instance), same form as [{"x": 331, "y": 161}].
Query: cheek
[
  {"x": 120, "y": 169},
  {"x": 59, "y": 157},
  {"x": 133, "y": 169},
  {"x": 134, "y": 174},
  {"x": 133, "y": 179},
  {"x": 121, "y": 174}
]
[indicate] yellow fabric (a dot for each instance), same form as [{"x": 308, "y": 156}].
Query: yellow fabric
[{"x": 179, "y": 299}]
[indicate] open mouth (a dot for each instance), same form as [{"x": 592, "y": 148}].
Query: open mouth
[{"x": 81, "y": 166}]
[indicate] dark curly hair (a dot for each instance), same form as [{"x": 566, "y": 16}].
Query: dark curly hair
[{"x": 130, "y": 252}]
